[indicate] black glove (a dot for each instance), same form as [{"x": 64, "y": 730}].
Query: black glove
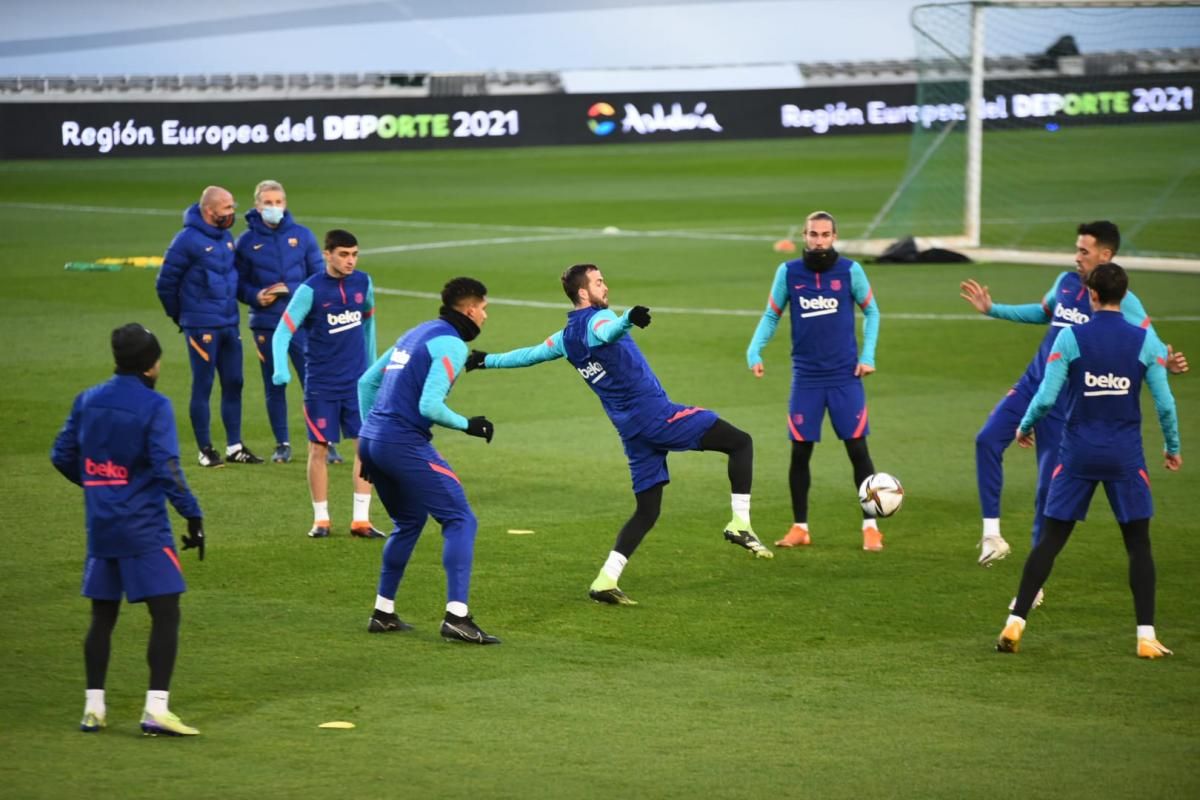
[
  {"x": 195, "y": 535},
  {"x": 481, "y": 427},
  {"x": 475, "y": 360},
  {"x": 640, "y": 316}
]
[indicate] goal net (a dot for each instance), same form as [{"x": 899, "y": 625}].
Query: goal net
[{"x": 1087, "y": 110}]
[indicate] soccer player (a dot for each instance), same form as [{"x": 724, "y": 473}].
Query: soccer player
[
  {"x": 273, "y": 257},
  {"x": 402, "y": 396},
  {"x": 197, "y": 286},
  {"x": 119, "y": 444},
  {"x": 1100, "y": 367},
  {"x": 1063, "y": 306},
  {"x": 336, "y": 310},
  {"x": 820, "y": 291},
  {"x": 596, "y": 343}
]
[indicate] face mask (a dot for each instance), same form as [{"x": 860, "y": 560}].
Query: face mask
[
  {"x": 272, "y": 215},
  {"x": 224, "y": 222},
  {"x": 820, "y": 260}
]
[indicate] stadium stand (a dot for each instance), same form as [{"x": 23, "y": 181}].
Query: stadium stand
[{"x": 249, "y": 86}]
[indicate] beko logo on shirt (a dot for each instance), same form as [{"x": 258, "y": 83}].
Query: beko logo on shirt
[
  {"x": 104, "y": 469},
  {"x": 1069, "y": 316},
  {"x": 592, "y": 372},
  {"x": 818, "y": 306},
  {"x": 1105, "y": 384},
  {"x": 399, "y": 360},
  {"x": 343, "y": 321}
]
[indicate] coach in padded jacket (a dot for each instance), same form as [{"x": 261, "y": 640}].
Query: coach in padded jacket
[
  {"x": 274, "y": 249},
  {"x": 198, "y": 289}
]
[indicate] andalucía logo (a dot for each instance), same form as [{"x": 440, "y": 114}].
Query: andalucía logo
[{"x": 599, "y": 119}]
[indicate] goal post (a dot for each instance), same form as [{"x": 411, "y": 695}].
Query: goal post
[{"x": 1035, "y": 115}]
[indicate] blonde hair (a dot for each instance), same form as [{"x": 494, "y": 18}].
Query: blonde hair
[
  {"x": 268, "y": 186},
  {"x": 820, "y": 215}
]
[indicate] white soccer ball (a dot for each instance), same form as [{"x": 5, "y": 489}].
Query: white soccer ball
[{"x": 881, "y": 495}]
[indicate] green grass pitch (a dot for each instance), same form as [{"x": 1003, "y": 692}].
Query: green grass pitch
[{"x": 824, "y": 673}]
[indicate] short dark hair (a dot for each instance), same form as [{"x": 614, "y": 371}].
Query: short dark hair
[
  {"x": 1104, "y": 232},
  {"x": 575, "y": 278},
  {"x": 339, "y": 238},
  {"x": 459, "y": 289},
  {"x": 1109, "y": 281}
]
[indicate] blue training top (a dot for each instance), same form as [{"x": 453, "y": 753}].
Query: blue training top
[
  {"x": 1066, "y": 304},
  {"x": 339, "y": 315},
  {"x": 594, "y": 342},
  {"x": 403, "y": 394},
  {"x": 824, "y": 347},
  {"x": 119, "y": 443},
  {"x": 1102, "y": 365}
]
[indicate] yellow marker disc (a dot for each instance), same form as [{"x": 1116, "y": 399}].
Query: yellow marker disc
[
  {"x": 519, "y": 531},
  {"x": 339, "y": 725}
]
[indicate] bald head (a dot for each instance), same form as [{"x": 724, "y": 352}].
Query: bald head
[{"x": 217, "y": 206}]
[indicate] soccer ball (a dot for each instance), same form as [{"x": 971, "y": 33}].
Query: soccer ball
[{"x": 881, "y": 495}]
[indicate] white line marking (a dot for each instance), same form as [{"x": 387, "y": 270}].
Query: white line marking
[{"x": 404, "y": 248}]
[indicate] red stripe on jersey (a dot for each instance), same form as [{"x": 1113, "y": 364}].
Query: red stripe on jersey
[
  {"x": 174, "y": 558},
  {"x": 867, "y": 302},
  {"x": 862, "y": 424},
  {"x": 287, "y": 318},
  {"x": 1053, "y": 357},
  {"x": 600, "y": 322},
  {"x": 342, "y": 289},
  {"x": 444, "y": 471},
  {"x": 1145, "y": 477},
  {"x": 687, "y": 412},
  {"x": 315, "y": 431},
  {"x": 370, "y": 311},
  {"x": 549, "y": 343},
  {"x": 1146, "y": 322},
  {"x": 774, "y": 307},
  {"x": 1161, "y": 360},
  {"x": 1046, "y": 308},
  {"x": 792, "y": 427},
  {"x": 449, "y": 368},
  {"x": 1057, "y": 470}
]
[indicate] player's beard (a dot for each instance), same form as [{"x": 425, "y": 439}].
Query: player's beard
[{"x": 597, "y": 302}]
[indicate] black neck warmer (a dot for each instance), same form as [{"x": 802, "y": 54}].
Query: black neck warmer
[
  {"x": 820, "y": 260},
  {"x": 467, "y": 329}
]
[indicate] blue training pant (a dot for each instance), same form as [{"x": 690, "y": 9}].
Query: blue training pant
[
  {"x": 414, "y": 482},
  {"x": 277, "y": 395},
  {"x": 997, "y": 433},
  {"x": 219, "y": 351}
]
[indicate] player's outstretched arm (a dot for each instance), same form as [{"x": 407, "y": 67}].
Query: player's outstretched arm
[
  {"x": 976, "y": 294},
  {"x": 522, "y": 357}
]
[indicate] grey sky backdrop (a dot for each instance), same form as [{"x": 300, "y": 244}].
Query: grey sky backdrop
[
  {"x": 133, "y": 36},
  {"x": 63, "y": 37}
]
